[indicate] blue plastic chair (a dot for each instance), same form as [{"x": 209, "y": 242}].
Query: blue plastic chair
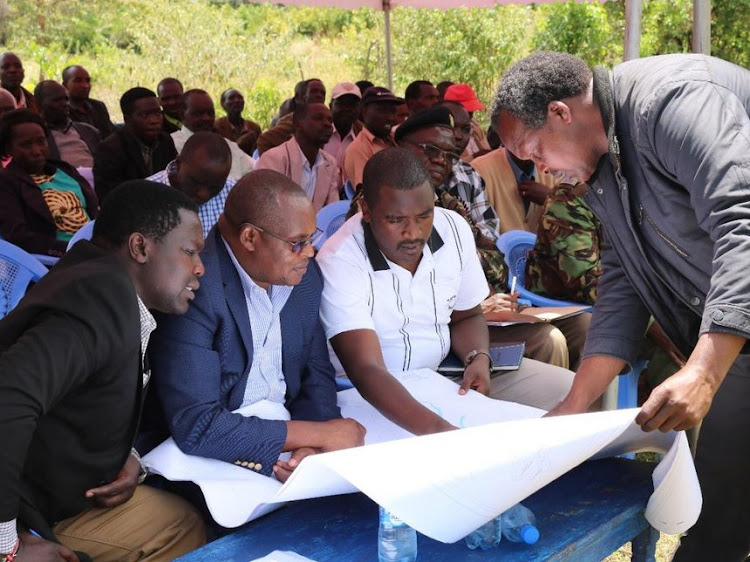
[
  {"x": 329, "y": 219},
  {"x": 18, "y": 269},
  {"x": 515, "y": 245},
  {"x": 84, "y": 233}
]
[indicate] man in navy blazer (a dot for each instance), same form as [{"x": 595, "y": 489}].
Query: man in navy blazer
[{"x": 253, "y": 340}]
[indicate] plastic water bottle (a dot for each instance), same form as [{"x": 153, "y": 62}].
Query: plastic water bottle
[
  {"x": 519, "y": 525},
  {"x": 397, "y": 542},
  {"x": 486, "y": 537}
]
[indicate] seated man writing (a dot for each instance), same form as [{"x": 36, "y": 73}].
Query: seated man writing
[
  {"x": 253, "y": 340},
  {"x": 403, "y": 287},
  {"x": 73, "y": 380}
]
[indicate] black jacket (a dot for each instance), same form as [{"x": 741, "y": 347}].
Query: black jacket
[
  {"x": 119, "y": 159},
  {"x": 71, "y": 387}
]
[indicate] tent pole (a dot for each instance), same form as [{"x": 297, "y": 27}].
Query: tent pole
[
  {"x": 633, "y": 13},
  {"x": 388, "y": 68},
  {"x": 702, "y": 26}
]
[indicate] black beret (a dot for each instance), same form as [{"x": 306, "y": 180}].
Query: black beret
[{"x": 435, "y": 117}]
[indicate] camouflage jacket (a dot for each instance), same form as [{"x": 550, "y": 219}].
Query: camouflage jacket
[
  {"x": 491, "y": 258},
  {"x": 565, "y": 262}
]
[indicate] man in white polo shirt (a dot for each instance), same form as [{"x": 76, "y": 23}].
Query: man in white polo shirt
[{"x": 403, "y": 287}]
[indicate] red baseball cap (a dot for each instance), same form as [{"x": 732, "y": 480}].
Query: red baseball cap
[{"x": 465, "y": 95}]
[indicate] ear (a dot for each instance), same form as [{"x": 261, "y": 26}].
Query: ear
[
  {"x": 366, "y": 216},
  {"x": 139, "y": 247},
  {"x": 249, "y": 237},
  {"x": 559, "y": 110}
]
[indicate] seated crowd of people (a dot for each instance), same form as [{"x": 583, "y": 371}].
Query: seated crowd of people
[{"x": 201, "y": 277}]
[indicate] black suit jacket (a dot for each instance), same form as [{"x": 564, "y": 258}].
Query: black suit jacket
[
  {"x": 94, "y": 114},
  {"x": 119, "y": 159},
  {"x": 70, "y": 386}
]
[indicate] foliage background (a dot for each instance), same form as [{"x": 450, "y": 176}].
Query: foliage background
[{"x": 263, "y": 49}]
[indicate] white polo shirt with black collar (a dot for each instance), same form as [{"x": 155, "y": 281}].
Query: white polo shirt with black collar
[{"x": 410, "y": 313}]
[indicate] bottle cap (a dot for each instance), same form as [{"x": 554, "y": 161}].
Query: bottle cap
[{"x": 529, "y": 534}]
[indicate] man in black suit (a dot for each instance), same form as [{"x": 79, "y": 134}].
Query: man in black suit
[
  {"x": 72, "y": 381},
  {"x": 137, "y": 151},
  {"x": 83, "y": 108}
]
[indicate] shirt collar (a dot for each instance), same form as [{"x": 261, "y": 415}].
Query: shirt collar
[
  {"x": 376, "y": 257},
  {"x": 517, "y": 171},
  {"x": 148, "y": 323}
]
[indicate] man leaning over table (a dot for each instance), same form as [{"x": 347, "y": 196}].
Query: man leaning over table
[
  {"x": 403, "y": 287},
  {"x": 664, "y": 144},
  {"x": 253, "y": 340}
]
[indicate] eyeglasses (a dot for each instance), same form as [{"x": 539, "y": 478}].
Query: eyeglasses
[
  {"x": 432, "y": 152},
  {"x": 297, "y": 245}
]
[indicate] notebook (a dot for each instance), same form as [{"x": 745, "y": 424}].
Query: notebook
[{"x": 504, "y": 358}]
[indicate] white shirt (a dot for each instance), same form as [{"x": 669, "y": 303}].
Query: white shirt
[
  {"x": 241, "y": 162},
  {"x": 265, "y": 381},
  {"x": 365, "y": 291},
  {"x": 310, "y": 173}
]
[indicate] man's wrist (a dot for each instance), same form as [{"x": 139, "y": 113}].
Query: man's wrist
[{"x": 10, "y": 556}]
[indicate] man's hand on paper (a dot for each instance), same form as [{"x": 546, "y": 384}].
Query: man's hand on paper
[
  {"x": 500, "y": 302},
  {"x": 679, "y": 403},
  {"x": 476, "y": 376},
  {"x": 283, "y": 469}
]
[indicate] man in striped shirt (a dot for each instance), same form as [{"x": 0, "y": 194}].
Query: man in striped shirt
[{"x": 201, "y": 171}]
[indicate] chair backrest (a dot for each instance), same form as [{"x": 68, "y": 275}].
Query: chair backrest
[
  {"x": 349, "y": 190},
  {"x": 88, "y": 175},
  {"x": 515, "y": 244},
  {"x": 83, "y": 233},
  {"x": 17, "y": 270},
  {"x": 330, "y": 218}
]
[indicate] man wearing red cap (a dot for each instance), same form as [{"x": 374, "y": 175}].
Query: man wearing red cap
[{"x": 465, "y": 95}]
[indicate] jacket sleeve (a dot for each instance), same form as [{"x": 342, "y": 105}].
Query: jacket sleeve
[
  {"x": 620, "y": 318},
  {"x": 189, "y": 357},
  {"x": 109, "y": 164},
  {"x": 710, "y": 157},
  {"x": 15, "y": 226}
]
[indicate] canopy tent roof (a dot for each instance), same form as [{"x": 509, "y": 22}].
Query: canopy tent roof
[{"x": 633, "y": 9}]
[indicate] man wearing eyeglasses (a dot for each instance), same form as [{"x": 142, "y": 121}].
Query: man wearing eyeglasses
[
  {"x": 430, "y": 135},
  {"x": 246, "y": 375}
]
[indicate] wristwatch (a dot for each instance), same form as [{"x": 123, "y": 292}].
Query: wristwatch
[{"x": 473, "y": 355}]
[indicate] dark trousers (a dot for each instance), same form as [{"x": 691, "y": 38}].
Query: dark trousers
[{"x": 722, "y": 533}]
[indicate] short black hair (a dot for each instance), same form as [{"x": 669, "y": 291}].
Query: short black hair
[
  {"x": 151, "y": 208},
  {"x": 128, "y": 99},
  {"x": 14, "y": 118},
  {"x": 41, "y": 91},
  {"x": 413, "y": 90},
  {"x": 223, "y": 96},
  {"x": 168, "y": 80},
  {"x": 397, "y": 168},
  {"x": 214, "y": 144},
  {"x": 528, "y": 87},
  {"x": 68, "y": 70},
  {"x": 187, "y": 94}
]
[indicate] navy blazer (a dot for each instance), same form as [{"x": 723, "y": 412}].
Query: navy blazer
[{"x": 200, "y": 362}]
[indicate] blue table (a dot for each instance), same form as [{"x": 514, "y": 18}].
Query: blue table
[{"x": 583, "y": 516}]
